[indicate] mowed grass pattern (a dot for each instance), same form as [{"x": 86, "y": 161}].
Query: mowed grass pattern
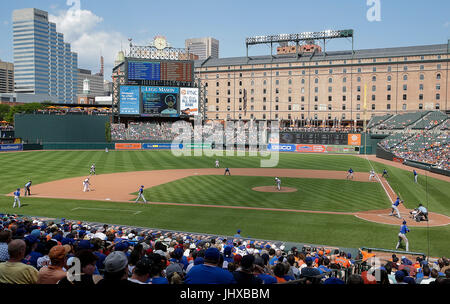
[
  {"x": 312, "y": 194},
  {"x": 342, "y": 230}
]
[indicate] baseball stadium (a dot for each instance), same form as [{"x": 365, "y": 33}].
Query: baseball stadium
[{"x": 154, "y": 176}]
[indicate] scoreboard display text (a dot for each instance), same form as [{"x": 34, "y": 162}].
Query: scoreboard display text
[
  {"x": 314, "y": 138},
  {"x": 160, "y": 70}
]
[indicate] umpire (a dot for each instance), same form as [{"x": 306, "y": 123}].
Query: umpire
[{"x": 27, "y": 188}]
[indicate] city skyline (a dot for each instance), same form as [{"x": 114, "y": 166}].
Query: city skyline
[{"x": 99, "y": 31}]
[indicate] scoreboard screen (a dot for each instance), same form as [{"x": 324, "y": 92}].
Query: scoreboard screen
[
  {"x": 161, "y": 70},
  {"x": 318, "y": 138}
]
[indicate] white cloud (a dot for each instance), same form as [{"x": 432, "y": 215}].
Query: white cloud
[
  {"x": 447, "y": 24},
  {"x": 80, "y": 30}
]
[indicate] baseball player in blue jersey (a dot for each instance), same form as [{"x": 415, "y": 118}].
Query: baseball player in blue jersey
[
  {"x": 395, "y": 207},
  {"x": 227, "y": 170},
  {"x": 16, "y": 198},
  {"x": 402, "y": 236},
  {"x": 350, "y": 173},
  {"x": 385, "y": 173},
  {"x": 141, "y": 194},
  {"x": 415, "y": 176}
]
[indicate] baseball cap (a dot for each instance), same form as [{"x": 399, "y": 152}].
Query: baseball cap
[
  {"x": 172, "y": 268},
  {"x": 121, "y": 246},
  {"x": 212, "y": 254},
  {"x": 247, "y": 261},
  {"x": 31, "y": 239},
  {"x": 36, "y": 233},
  {"x": 198, "y": 261},
  {"x": 399, "y": 274},
  {"x": 58, "y": 252},
  {"x": 116, "y": 261},
  {"x": 85, "y": 244}
]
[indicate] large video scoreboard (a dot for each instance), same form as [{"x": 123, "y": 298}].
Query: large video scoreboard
[
  {"x": 320, "y": 138},
  {"x": 140, "y": 71}
]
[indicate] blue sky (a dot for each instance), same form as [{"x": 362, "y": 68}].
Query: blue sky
[{"x": 107, "y": 23}]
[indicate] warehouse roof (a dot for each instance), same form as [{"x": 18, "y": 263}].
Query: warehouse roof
[{"x": 434, "y": 49}]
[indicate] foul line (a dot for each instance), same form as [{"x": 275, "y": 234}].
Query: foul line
[{"x": 135, "y": 212}]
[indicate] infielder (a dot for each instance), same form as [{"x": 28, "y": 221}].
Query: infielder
[
  {"x": 372, "y": 174},
  {"x": 141, "y": 194},
  {"x": 16, "y": 198},
  {"x": 415, "y": 176},
  {"x": 402, "y": 236},
  {"x": 92, "y": 169},
  {"x": 385, "y": 173},
  {"x": 350, "y": 173},
  {"x": 86, "y": 185},
  {"x": 227, "y": 171},
  {"x": 27, "y": 188},
  {"x": 278, "y": 181},
  {"x": 217, "y": 163},
  {"x": 395, "y": 207}
]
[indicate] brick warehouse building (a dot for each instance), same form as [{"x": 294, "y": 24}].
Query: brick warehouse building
[{"x": 327, "y": 86}]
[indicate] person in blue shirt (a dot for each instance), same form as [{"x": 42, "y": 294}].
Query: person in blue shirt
[
  {"x": 402, "y": 235},
  {"x": 415, "y": 176},
  {"x": 238, "y": 234},
  {"x": 16, "y": 198},
  {"x": 350, "y": 173},
  {"x": 209, "y": 272},
  {"x": 141, "y": 194},
  {"x": 385, "y": 173},
  {"x": 394, "y": 206}
]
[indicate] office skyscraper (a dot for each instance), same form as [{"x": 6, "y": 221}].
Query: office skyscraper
[
  {"x": 203, "y": 47},
  {"x": 43, "y": 62}
]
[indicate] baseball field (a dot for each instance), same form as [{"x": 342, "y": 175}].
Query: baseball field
[{"x": 189, "y": 194}]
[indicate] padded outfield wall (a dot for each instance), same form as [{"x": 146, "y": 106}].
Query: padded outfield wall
[{"x": 44, "y": 128}]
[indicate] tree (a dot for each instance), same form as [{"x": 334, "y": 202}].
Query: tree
[
  {"x": 23, "y": 108},
  {"x": 4, "y": 110}
]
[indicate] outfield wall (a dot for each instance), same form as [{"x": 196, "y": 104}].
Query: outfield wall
[{"x": 41, "y": 128}]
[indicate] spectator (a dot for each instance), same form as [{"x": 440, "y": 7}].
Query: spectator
[
  {"x": 293, "y": 271},
  {"x": 355, "y": 279},
  {"x": 31, "y": 255},
  {"x": 244, "y": 275},
  {"x": 428, "y": 280},
  {"x": 14, "y": 271},
  {"x": 209, "y": 273},
  {"x": 54, "y": 272},
  {"x": 5, "y": 238},
  {"x": 87, "y": 278},
  {"x": 141, "y": 272},
  {"x": 116, "y": 270},
  {"x": 157, "y": 268},
  {"x": 262, "y": 273},
  {"x": 309, "y": 270}
]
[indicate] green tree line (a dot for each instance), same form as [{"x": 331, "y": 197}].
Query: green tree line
[{"x": 7, "y": 112}]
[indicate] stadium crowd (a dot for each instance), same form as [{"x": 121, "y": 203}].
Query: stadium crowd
[{"x": 33, "y": 251}]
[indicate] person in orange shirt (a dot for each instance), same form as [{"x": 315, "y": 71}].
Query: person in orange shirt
[
  {"x": 366, "y": 254},
  {"x": 342, "y": 260}
]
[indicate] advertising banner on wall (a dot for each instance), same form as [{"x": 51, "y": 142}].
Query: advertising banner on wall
[
  {"x": 129, "y": 100},
  {"x": 354, "y": 139},
  {"x": 312, "y": 148},
  {"x": 128, "y": 146},
  {"x": 11, "y": 147},
  {"x": 189, "y": 101},
  {"x": 160, "y": 101}
]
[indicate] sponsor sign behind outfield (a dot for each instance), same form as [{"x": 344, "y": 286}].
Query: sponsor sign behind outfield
[
  {"x": 305, "y": 148},
  {"x": 11, "y": 147}
]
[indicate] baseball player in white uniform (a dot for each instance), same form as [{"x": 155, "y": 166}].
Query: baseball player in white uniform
[
  {"x": 372, "y": 175},
  {"x": 141, "y": 194},
  {"x": 217, "y": 163},
  {"x": 92, "y": 169},
  {"x": 278, "y": 181},
  {"x": 86, "y": 185},
  {"x": 16, "y": 198}
]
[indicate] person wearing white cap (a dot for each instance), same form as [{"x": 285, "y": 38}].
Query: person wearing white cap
[{"x": 278, "y": 181}]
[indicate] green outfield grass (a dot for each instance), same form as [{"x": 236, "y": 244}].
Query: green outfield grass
[
  {"x": 312, "y": 194},
  {"x": 348, "y": 231}
]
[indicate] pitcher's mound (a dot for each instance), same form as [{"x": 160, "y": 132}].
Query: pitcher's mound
[{"x": 274, "y": 189}]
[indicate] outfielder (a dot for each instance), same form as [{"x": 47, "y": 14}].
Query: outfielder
[
  {"x": 402, "y": 236},
  {"x": 372, "y": 174},
  {"x": 278, "y": 181},
  {"x": 92, "y": 169},
  {"x": 395, "y": 207},
  {"x": 16, "y": 198},
  {"x": 86, "y": 185},
  {"x": 141, "y": 194},
  {"x": 217, "y": 163},
  {"x": 415, "y": 176},
  {"x": 27, "y": 188},
  {"x": 350, "y": 173}
]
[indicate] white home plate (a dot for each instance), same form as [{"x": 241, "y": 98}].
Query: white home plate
[{"x": 108, "y": 199}]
